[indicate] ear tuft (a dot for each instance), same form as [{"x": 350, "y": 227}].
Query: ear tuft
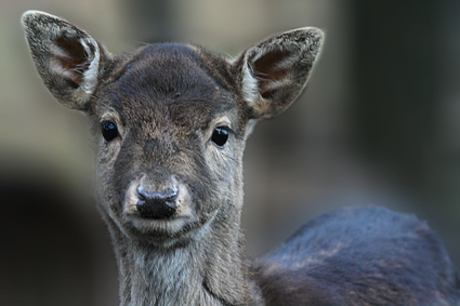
[
  {"x": 67, "y": 58},
  {"x": 274, "y": 72}
]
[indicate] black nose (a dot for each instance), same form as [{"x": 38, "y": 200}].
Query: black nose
[{"x": 156, "y": 205}]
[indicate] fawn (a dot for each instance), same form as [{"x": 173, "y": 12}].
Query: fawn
[{"x": 170, "y": 122}]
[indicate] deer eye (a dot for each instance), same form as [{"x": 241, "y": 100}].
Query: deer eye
[
  {"x": 220, "y": 135},
  {"x": 109, "y": 130}
]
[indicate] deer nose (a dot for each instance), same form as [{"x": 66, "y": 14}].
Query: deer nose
[{"x": 156, "y": 205}]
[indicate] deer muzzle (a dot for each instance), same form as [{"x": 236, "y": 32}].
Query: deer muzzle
[{"x": 156, "y": 205}]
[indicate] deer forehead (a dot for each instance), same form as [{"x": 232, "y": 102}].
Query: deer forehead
[{"x": 170, "y": 85}]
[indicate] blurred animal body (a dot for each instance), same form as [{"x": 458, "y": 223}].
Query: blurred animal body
[{"x": 169, "y": 123}]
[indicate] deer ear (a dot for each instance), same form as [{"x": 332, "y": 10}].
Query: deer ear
[
  {"x": 273, "y": 73},
  {"x": 68, "y": 60}
]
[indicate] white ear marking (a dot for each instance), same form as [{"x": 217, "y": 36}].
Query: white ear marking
[
  {"x": 90, "y": 75},
  {"x": 251, "y": 124},
  {"x": 249, "y": 85}
]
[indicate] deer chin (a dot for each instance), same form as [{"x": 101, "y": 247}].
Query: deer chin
[{"x": 165, "y": 232}]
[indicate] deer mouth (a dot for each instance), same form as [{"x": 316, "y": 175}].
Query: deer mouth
[
  {"x": 164, "y": 233},
  {"x": 168, "y": 226}
]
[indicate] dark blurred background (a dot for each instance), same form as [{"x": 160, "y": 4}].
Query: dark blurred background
[{"x": 378, "y": 125}]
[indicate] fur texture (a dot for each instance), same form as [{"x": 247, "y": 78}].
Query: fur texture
[{"x": 179, "y": 117}]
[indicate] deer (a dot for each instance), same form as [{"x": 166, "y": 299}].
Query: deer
[{"x": 169, "y": 123}]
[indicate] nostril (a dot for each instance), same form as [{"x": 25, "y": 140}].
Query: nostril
[
  {"x": 156, "y": 205},
  {"x": 169, "y": 195}
]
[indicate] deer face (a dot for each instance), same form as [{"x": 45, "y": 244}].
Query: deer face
[
  {"x": 169, "y": 121},
  {"x": 169, "y": 131}
]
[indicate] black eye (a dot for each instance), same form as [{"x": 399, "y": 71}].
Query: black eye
[
  {"x": 109, "y": 130},
  {"x": 220, "y": 135}
]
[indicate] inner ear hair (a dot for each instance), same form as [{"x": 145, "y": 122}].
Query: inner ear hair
[
  {"x": 73, "y": 58},
  {"x": 272, "y": 70}
]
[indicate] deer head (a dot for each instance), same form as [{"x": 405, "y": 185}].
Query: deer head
[{"x": 170, "y": 121}]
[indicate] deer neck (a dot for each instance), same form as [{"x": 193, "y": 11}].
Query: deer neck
[{"x": 206, "y": 271}]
